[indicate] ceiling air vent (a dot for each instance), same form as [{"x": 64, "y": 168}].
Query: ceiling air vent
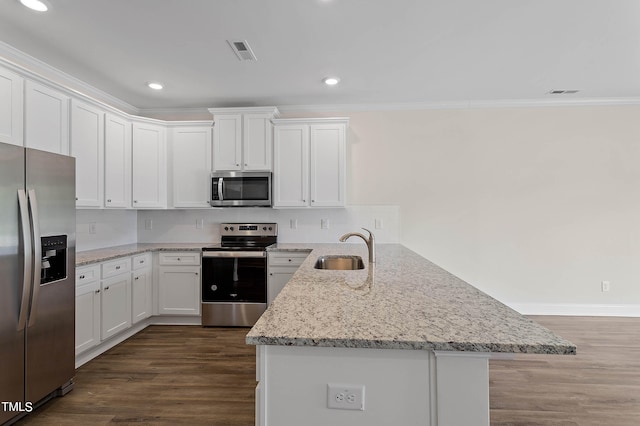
[
  {"x": 562, "y": 92},
  {"x": 242, "y": 50}
]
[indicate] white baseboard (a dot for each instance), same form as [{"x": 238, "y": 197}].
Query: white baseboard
[{"x": 577, "y": 309}]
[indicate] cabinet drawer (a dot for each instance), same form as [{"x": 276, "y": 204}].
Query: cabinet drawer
[
  {"x": 141, "y": 261},
  {"x": 87, "y": 274},
  {"x": 116, "y": 267},
  {"x": 180, "y": 258},
  {"x": 289, "y": 258}
]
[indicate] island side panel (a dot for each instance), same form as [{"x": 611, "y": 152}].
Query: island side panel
[
  {"x": 293, "y": 386},
  {"x": 461, "y": 388}
]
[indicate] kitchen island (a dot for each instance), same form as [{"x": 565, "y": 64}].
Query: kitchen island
[{"x": 415, "y": 338}]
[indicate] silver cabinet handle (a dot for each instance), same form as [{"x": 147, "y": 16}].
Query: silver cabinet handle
[
  {"x": 117, "y": 267},
  {"x": 97, "y": 291},
  {"x": 106, "y": 288}
]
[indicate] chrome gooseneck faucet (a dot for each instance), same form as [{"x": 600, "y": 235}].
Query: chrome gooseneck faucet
[{"x": 369, "y": 241}]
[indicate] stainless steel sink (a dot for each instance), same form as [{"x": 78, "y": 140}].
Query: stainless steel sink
[{"x": 339, "y": 262}]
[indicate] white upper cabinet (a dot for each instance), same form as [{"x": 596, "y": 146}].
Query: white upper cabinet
[
  {"x": 227, "y": 136},
  {"x": 117, "y": 162},
  {"x": 191, "y": 166},
  {"x": 327, "y": 154},
  {"x": 46, "y": 119},
  {"x": 309, "y": 162},
  {"x": 291, "y": 165},
  {"x": 11, "y": 107},
  {"x": 149, "y": 171},
  {"x": 242, "y": 138},
  {"x": 87, "y": 146}
]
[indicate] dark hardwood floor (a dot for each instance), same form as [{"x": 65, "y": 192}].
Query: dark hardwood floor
[{"x": 183, "y": 375}]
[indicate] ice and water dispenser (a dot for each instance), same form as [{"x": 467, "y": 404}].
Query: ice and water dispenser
[{"x": 54, "y": 258}]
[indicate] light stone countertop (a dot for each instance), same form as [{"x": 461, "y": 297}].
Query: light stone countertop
[
  {"x": 100, "y": 255},
  {"x": 404, "y": 302}
]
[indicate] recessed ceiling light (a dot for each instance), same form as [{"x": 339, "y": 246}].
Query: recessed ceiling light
[
  {"x": 155, "y": 85},
  {"x": 331, "y": 81},
  {"x": 37, "y": 5}
]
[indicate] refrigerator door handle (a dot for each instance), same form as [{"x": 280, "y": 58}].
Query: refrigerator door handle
[
  {"x": 28, "y": 259},
  {"x": 37, "y": 255}
]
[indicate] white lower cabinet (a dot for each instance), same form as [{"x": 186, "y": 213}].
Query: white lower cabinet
[
  {"x": 280, "y": 268},
  {"x": 179, "y": 283},
  {"x": 141, "y": 288},
  {"x": 87, "y": 307},
  {"x": 116, "y": 305}
]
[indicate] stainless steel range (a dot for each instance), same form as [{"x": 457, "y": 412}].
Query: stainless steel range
[{"x": 234, "y": 274}]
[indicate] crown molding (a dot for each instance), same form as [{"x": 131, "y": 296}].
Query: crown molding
[
  {"x": 445, "y": 105},
  {"x": 43, "y": 73}
]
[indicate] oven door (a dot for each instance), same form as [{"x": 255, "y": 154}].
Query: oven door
[{"x": 234, "y": 276}]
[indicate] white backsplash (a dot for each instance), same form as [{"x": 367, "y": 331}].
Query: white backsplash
[
  {"x": 182, "y": 225},
  {"x": 105, "y": 228},
  {"x": 117, "y": 227}
]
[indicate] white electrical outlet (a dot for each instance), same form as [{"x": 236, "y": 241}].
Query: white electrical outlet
[
  {"x": 378, "y": 223},
  {"x": 324, "y": 223},
  {"x": 293, "y": 223},
  {"x": 92, "y": 228},
  {"x": 345, "y": 397},
  {"x": 606, "y": 285},
  {"x": 199, "y": 223},
  {"x": 148, "y": 224}
]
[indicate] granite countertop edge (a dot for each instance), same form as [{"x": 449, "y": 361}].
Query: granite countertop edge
[{"x": 88, "y": 257}]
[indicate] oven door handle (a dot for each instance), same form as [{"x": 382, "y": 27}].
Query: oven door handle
[{"x": 243, "y": 254}]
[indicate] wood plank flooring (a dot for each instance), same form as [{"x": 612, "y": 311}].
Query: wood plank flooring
[
  {"x": 599, "y": 386},
  {"x": 184, "y": 375}
]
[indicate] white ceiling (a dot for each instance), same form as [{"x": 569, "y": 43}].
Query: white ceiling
[{"x": 385, "y": 51}]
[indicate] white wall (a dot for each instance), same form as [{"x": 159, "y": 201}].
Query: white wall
[{"x": 535, "y": 206}]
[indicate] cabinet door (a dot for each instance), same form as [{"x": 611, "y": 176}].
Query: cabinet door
[
  {"x": 87, "y": 316},
  {"x": 117, "y": 162},
  {"x": 116, "y": 305},
  {"x": 291, "y": 166},
  {"x": 46, "y": 119},
  {"x": 227, "y": 142},
  {"x": 11, "y": 107},
  {"x": 87, "y": 145},
  {"x": 278, "y": 277},
  {"x": 191, "y": 161},
  {"x": 327, "y": 154},
  {"x": 149, "y": 167},
  {"x": 257, "y": 142},
  {"x": 179, "y": 290},
  {"x": 140, "y": 295}
]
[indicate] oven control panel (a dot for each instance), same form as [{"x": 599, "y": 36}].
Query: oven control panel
[{"x": 248, "y": 229}]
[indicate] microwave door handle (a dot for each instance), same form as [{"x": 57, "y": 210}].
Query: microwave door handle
[{"x": 220, "y": 188}]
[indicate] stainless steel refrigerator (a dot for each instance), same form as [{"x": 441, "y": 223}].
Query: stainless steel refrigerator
[{"x": 37, "y": 278}]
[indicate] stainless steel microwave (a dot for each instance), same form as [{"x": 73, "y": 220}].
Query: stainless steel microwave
[{"x": 241, "y": 189}]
